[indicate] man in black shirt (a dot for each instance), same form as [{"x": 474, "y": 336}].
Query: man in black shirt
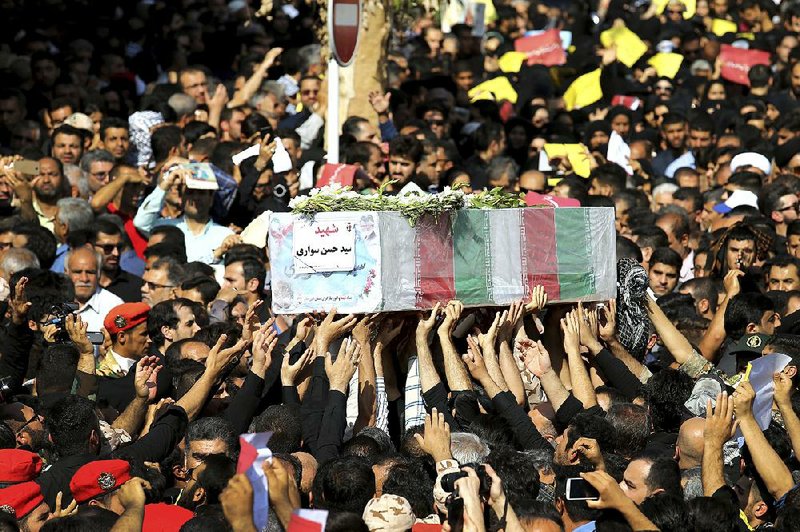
[{"x": 108, "y": 240}]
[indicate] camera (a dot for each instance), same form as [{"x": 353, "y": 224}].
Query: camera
[
  {"x": 58, "y": 318},
  {"x": 449, "y": 481}
]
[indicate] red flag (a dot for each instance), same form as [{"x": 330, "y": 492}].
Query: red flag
[
  {"x": 631, "y": 102},
  {"x": 337, "y": 174},
  {"x": 543, "y": 49},
  {"x": 737, "y": 62}
]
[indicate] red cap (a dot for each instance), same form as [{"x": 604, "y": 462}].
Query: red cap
[
  {"x": 17, "y": 465},
  {"x": 99, "y": 478},
  {"x": 161, "y": 517},
  {"x": 126, "y": 316},
  {"x": 20, "y": 499}
]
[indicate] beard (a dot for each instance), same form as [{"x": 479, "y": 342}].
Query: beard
[{"x": 187, "y": 498}]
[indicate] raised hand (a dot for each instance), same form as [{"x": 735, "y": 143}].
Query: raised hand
[
  {"x": 426, "y": 325},
  {"x": 720, "y": 425},
  {"x": 783, "y": 388},
  {"x": 264, "y": 341},
  {"x": 19, "y": 302},
  {"x": 330, "y": 329},
  {"x": 743, "y": 398},
  {"x": 146, "y": 376},
  {"x": 219, "y": 358},
  {"x": 237, "y": 503},
  {"x": 588, "y": 327},
  {"x": 513, "y": 317},
  {"x": 452, "y": 313},
  {"x": 341, "y": 370},
  {"x": 131, "y": 494},
  {"x": 534, "y": 357},
  {"x": 608, "y": 325},
  {"x": 572, "y": 333},
  {"x": 76, "y": 329},
  {"x": 289, "y": 371},
  {"x": 474, "y": 360},
  {"x": 487, "y": 340},
  {"x": 435, "y": 440},
  {"x": 380, "y": 101},
  {"x": 538, "y": 300}
]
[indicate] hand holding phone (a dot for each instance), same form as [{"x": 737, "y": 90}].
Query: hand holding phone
[{"x": 579, "y": 489}]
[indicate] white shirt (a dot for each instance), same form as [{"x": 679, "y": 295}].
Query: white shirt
[
  {"x": 124, "y": 363},
  {"x": 687, "y": 268},
  {"x": 94, "y": 312}
]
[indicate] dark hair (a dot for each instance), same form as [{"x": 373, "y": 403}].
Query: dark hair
[
  {"x": 359, "y": 153},
  {"x": 208, "y": 287},
  {"x": 173, "y": 266},
  {"x": 41, "y": 242},
  {"x": 251, "y": 268},
  {"x": 57, "y": 369},
  {"x": 215, "y": 476},
  {"x": 519, "y": 472},
  {"x": 345, "y": 522},
  {"x": 214, "y": 428},
  {"x": 744, "y": 309},
  {"x": 344, "y": 484},
  {"x": 651, "y": 236},
  {"x": 406, "y": 146},
  {"x": 408, "y": 479},
  {"x": 285, "y": 424},
  {"x": 610, "y": 174},
  {"x": 591, "y": 426},
  {"x": 666, "y": 392},
  {"x": 666, "y": 511},
  {"x": 195, "y": 129},
  {"x": 363, "y": 447},
  {"x": 702, "y": 122},
  {"x": 112, "y": 122},
  {"x": 664, "y": 474},
  {"x": 172, "y": 235},
  {"x": 577, "y": 510},
  {"x": 711, "y": 514},
  {"x": 627, "y": 249},
  {"x": 106, "y": 227},
  {"x": 632, "y": 427},
  {"x": 164, "y": 314},
  {"x": 253, "y": 124},
  {"x": 87, "y": 519},
  {"x": 69, "y": 131},
  {"x": 70, "y": 422},
  {"x": 672, "y": 118},
  {"x": 163, "y": 140},
  {"x": 486, "y": 133},
  {"x": 666, "y": 256},
  {"x": 703, "y": 288},
  {"x": 166, "y": 250}
]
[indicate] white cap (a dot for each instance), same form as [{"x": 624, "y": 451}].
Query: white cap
[
  {"x": 751, "y": 158},
  {"x": 737, "y": 199},
  {"x": 80, "y": 121}
]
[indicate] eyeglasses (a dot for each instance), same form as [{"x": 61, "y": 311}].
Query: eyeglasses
[
  {"x": 793, "y": 207},
  {"x": 309, "y": 92},
  {"x": 526, "y": 190},
  {"x": 108, "y": 248},
  {"x": 34, "y": 417},
  {"x": 260, "y": 186},
  {"x": 156, "y": 286},
  {"x": 435, "y": 122}
]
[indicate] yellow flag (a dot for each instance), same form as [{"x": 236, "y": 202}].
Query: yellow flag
[
  {"x": 498, "y": 87},
  {"x": 666, "y": 64},
  {"x": 720, "y": 27},
  {"x": 512, "y": 61},
  {"x": 576, "y": 154},
  {"x": 583, "y": 91},
  {"x": 629, "y": 46},
  {"x": 691, "y": 7}
]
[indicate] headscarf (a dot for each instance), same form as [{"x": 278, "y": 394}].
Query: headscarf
[{"x": 633, "y": 324}]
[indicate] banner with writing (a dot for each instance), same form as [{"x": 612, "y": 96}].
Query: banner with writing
[
  {"x": 737, "y": 62},
  {"x": 544, "y": 49}
]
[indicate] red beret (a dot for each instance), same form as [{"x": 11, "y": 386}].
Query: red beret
[
  {"x": 17, "y": 465},
  {"x": 98, "y": 478},
  {"x": 161, "y": 517},
  {"x": 126, "y": 316},
  {"x": 20, "y": 499}
]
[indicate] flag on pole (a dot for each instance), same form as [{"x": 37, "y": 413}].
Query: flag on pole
[{"x": 254, "y": 452}]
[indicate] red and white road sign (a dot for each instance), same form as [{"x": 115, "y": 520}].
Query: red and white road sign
[{"x": 344, "y": 21}]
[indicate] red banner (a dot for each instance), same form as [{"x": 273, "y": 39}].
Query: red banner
[
  {"x": 337, "y": 174},
  {"x": 544, "y": 49},
  {"x": 737, "y": 62}
]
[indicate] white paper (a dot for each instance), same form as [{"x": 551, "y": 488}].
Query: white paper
[
  {"x": 544, "y": 162},
  {"x": 257, "y": 231},
  {"x": 307, "y": 176},
  {"x": 252, "y": 151},
  {"x": 619, "y": 152},
  {"x": 281, "y": 161},
  {"x": 323, "y": 247},
  {"x": 201, "y": 177},
  {"x": 763, "y": 368}
]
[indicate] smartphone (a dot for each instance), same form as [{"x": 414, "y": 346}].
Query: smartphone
[
  {"x": 26, "y": 167},
  {"x": 580, "y": 490},
  {"x": 95, "y": 337}
]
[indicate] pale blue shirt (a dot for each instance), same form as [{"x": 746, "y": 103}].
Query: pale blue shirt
[{"x": 199, "y": 247}]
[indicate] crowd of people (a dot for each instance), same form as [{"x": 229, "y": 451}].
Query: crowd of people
[{"x": 137, "y": 338}]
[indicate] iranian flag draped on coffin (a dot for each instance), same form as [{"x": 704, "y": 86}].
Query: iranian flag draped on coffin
[{"x": 376, "y": 261}]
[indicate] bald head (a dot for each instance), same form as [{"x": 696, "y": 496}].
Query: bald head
[
  {"x": 690, "y": 443},
  {"x": 532, "y": 180}
]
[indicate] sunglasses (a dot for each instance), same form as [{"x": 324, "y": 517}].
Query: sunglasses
[
  {"x": 309, "y": 92},
  {"x": 435, "y": 122},
  {"x": 108, "y": 248}
]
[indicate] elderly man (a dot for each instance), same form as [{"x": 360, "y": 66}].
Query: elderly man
[
  {"x": 83, "y": 268},
  {"x": 74, "y": 215}
]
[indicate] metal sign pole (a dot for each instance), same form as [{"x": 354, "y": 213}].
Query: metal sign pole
[{"x": 332, "y": 118}]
